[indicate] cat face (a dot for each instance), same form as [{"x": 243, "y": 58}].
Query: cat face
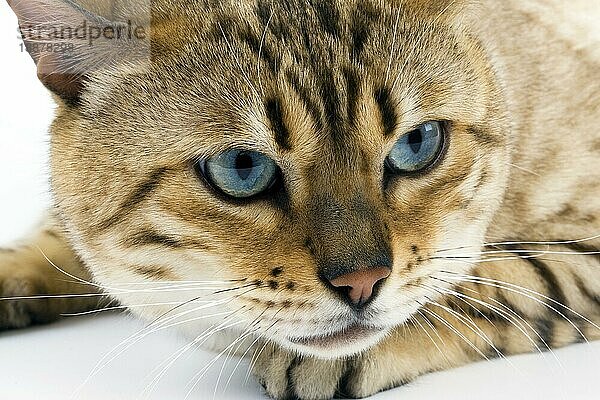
[{"x": 269, "y": 149}]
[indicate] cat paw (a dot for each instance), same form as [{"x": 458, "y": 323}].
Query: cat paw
[
  {"x": 19, "y": 313},
  {"x": 286, "y": 376},
  {"x": 18, "y": 309}
]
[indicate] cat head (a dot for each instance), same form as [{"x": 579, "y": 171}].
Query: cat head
[{"x": 302, "y": 170}]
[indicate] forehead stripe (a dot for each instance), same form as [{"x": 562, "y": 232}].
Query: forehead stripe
[
  {"x": 353, "y": 93},
  {"x": 306, "y": 96},
  {"x": 275, "y": 115},
  {"x": 389, "y": 118}
]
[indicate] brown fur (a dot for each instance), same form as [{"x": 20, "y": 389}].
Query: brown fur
[{"x": 325, "y": 89}]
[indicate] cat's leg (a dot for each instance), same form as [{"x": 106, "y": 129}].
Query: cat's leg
[
  {"x": 30, "y": 273},
  {"x": 503, "y": 308}
]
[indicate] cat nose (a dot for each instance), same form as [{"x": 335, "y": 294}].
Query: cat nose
[{"x": 358, "y": 286}]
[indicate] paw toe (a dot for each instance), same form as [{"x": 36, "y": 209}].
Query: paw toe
[
  {"x": 16, "y": 312},
  {"x": 271, "y": 369},
  {"x": 314, "y": 379}
]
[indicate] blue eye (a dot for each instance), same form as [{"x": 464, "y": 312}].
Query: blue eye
[
  {"x": 418, "y": 149},
  {"x": 241, "y": 174}
]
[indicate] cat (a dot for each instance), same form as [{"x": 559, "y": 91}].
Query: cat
[{"x": 351, "y": 193}]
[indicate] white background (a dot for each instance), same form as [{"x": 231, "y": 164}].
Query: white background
[{"x": 53, "y": 362}]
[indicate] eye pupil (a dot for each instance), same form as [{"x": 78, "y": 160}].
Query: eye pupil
[
  {"x": 240, "y": 174},
  {"x": 415, "y": 141},
  {"x": 244, "y": 164},
  {"x": 418, "y": 149}
]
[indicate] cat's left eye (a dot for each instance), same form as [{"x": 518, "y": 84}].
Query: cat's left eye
[
  {"x": 418, "y": 149},
  {"x": 240, "y": 174}
]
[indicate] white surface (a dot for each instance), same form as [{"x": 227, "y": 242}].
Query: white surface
[{"x": 53, "y": 362}]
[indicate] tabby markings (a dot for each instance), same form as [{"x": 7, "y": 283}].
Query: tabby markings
[
  {"x": 275, "y": 115},
  {"x": 155, "y": 272},
  {"x": 137, "y": 196},
  {"x": 389, "y": 118}
]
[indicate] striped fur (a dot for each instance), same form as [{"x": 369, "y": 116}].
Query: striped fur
[{"x": 494, "y": 251}]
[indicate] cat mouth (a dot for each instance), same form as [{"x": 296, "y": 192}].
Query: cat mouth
[{"x": 347, "y": 336}]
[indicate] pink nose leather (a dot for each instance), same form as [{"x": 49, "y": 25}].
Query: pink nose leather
[{"x": 361, "y": 283}]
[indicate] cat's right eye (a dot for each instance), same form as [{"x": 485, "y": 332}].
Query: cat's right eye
[
  {"x": 240, "y": 174},
  {"x": 418, "y": 149}
]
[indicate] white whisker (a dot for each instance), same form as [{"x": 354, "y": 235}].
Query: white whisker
[
  {"x": 198, "y": 376},
  {"x": 260, "y": 50},
  {"x": 528, "y": 293},
  {"x": 455, "y": 331},
  {"x": 524, "y": 169},
  {"x": 393, "y": 50},
  {"x": 510, "y": 316},
  {"x": 471, "y": 325},
  {"x": 415, "y": 320},
  {"x": 514, "y": 243},
  {"x": 197, "y": 342},
  {"x": 139, "y": 335}
]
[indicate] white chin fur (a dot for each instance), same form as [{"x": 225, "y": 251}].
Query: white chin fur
[
  {"x": 224, "y": 339},
  {"x": 342, "y": 350}
]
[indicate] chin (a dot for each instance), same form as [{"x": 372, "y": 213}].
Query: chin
[{"x": 346, "y": 342}]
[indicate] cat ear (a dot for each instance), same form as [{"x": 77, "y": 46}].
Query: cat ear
[
  {"x": 69, "y": 43},
  {"x": 445, "y": 10}
]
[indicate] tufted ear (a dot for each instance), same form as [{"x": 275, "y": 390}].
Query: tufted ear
[{"x": 68, "y": 43}]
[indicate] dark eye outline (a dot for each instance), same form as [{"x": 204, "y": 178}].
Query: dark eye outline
[
  {"x": 275, "y": 186},
  {"x": 390, "y": 169}
]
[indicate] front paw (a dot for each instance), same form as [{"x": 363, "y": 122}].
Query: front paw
[
  {"x": 20, "y": 313},
  {"x": 286, "y": 376}
]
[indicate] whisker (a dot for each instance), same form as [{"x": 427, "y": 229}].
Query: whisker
[
  {"x": 455, "y": 331},
  {"x": 113, "y": 290},
  {"x": 198, "y": 376},
  {"x": 247, "y": 332},
  {"x": 253, "y": 324},
  {"x": 198, "y": 298},
  {"x": 166, "y": 284},
  {"x": 184, "y": 282},
  {"x": 234, "y": 289},
  {"x": 239, "y": 64},
  {"x": 197, "y": 342},
  {"x": 414, "y": 320},
  {"x": 256, "y": 320},
  {"x": 441, "y": 14},
  {"x": 469, "y": 323},
  {"x": 547, "y": 243},
  {"x": 517, "y": 322},
  {"x": 514, "y": 243},
  {"x": 258, "y": 338},
  {"x": 528, "y": 294},
  {"x": 62, "y": 271},
  {"x": 254, "y": 360},
  {"x": 260, "y": 50},
  {"x": 250, "y": 347},
  {"x": 393, "y": 50},
  {"x": 114, "y": 293},
  {"x": 135, "y": 338},
  {"x": 115, "y": 308},
  {"x": 433, "y": 328},
  {"x": 190, "y": 320},
  {"x": 524, "y": 169},
  {"x": 58, "y": 296},
  {"x": 476, "y": 261},
  {"x": 528, "y": 252}
]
